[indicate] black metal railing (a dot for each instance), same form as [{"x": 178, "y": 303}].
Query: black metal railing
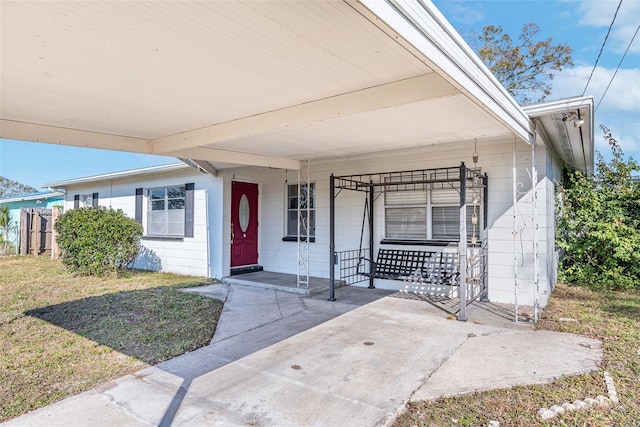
[{"x": 350, "y": 263}]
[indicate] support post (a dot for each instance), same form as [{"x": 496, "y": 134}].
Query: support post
[
  {"x": 462, "y": 244},
  {"x": 370, "y": 193},
  {"x": 24, "y": 231},
  {"x": 36, "y": 228},
  {"x": 55, "y": 249},
  {"x": 536, "y": 251},
  {"x": 304, "y": 224},
  {"x": 485, "y": 238},
  {"x": 515, "y": 234},
  {"x": 332, "y": 237}
]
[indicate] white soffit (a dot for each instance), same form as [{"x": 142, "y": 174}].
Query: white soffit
[
  {"x": 574, "y": 144},
  {"x": 257, "y": 83},
  {"x": 151, "y": 69},
  {"x": 405, "y": 126}
]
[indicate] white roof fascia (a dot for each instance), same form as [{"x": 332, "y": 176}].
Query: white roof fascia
[
  {"x": 560, "y": 105},
  {"x": 32, "y": 197},
  {"x": 120, "y": 174},
  {"x": 421, "y": 24}
]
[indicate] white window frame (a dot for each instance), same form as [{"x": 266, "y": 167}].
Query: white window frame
[
  {"x": 289, "y": 209},
  {"x": 166, "y": 202}
]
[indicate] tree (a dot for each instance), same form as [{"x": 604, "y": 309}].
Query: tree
[
  {"x": 9, "y": 187},
  {"x": 5, "y": 224},
  {"x": 599, "y": 224},
  {"x": 525, "y": 69}
]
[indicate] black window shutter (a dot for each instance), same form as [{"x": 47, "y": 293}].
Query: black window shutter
[
  {"x": 76, "y": 201},
  {"x": 188, "y": 209},
  {"x": 139, "y": 205},
  {"x": 94, "y": 199}
]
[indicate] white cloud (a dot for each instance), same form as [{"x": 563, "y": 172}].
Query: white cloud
[
  {"x": 462, "y": 13},
  {"x": 600, "y": 13},
  {"x": 624, "y": 131},
  {"x": 623, "y": 94}
]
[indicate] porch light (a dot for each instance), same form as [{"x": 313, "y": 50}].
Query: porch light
[
  {"x": 573, "y": 118},
  {"x": 475, "y": 152}
]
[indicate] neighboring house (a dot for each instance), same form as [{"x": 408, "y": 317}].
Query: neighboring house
[
  {"x": 339, "y": 97},
  {"x": 42, "y": 200}
]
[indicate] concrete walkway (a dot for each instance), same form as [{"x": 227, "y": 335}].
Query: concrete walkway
[{"x": 279, "y": 359}]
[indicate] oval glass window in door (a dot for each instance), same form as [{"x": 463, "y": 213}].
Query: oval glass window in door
[{"x": 243, "y": 213}]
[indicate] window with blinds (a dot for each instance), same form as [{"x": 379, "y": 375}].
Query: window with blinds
[
  {"x": 427, "y": 215},
  {"x": 406, "y": 215}
]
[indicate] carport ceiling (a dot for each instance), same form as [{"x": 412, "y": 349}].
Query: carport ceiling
[{"x": 264, "y": 83}]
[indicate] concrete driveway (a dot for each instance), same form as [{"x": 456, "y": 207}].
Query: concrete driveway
[{"x": 280, "y": 359}]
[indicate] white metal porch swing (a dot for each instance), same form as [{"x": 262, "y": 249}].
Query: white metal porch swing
[{"x": 430, "y": 264}]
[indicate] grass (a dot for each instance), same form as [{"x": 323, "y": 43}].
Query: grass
[
  {"x": 61, "y": 334},
  {"x": 613, "y": 318}
]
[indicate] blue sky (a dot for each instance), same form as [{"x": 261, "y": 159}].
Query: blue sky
[{"x": 582, "y": 24}]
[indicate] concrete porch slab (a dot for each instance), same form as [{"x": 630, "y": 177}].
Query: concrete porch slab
[{"x": 280, "y": 282}]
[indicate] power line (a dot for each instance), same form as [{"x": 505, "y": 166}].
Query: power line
[
  {"x": 602, "y": 47},
  {"x": 618, "y": 67}
]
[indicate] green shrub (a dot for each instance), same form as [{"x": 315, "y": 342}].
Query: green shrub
[
  {"x": 97, "y": 240},
  {"x": 599, "y": 224}
]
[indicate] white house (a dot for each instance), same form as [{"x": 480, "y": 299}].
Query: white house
[{"x": 385, "y": 95}]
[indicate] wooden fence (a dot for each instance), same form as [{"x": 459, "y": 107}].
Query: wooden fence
[{"x": 37, "y": 235}]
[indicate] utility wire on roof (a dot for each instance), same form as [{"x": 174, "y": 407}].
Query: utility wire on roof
[
  {"x": 602, "y": 48},
  {"x": 617, "y": 68}
]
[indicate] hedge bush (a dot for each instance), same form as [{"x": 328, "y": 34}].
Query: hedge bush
[
  {"x": 599, "y": 224},
  {"x": 97, "y": 240}
]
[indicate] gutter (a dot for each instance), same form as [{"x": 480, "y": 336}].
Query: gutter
[{"x": 119, "y": 174}]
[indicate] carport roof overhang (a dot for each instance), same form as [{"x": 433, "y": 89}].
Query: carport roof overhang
[{"x": 245, "y": 83}]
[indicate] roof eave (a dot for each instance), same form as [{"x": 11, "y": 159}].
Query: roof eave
[
  {"x": 118, "y": 175},
  {"x": 553, "y": 110},
  {"x": 25, "y": 198}
]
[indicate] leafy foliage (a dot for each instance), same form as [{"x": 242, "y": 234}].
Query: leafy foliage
[
  {"x": 97, "y": 240},
  {"x": 9, "y": 187},
  {"x": 599, "y": 224},
  {"x": 525, "y": 68}
]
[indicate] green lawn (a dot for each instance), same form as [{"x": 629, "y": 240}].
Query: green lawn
[
  {"x": 613, "y": 318},
  {"x": 61, "y": 334}
]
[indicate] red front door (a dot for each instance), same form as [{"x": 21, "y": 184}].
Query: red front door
[{"x": 244, "y": 223}]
